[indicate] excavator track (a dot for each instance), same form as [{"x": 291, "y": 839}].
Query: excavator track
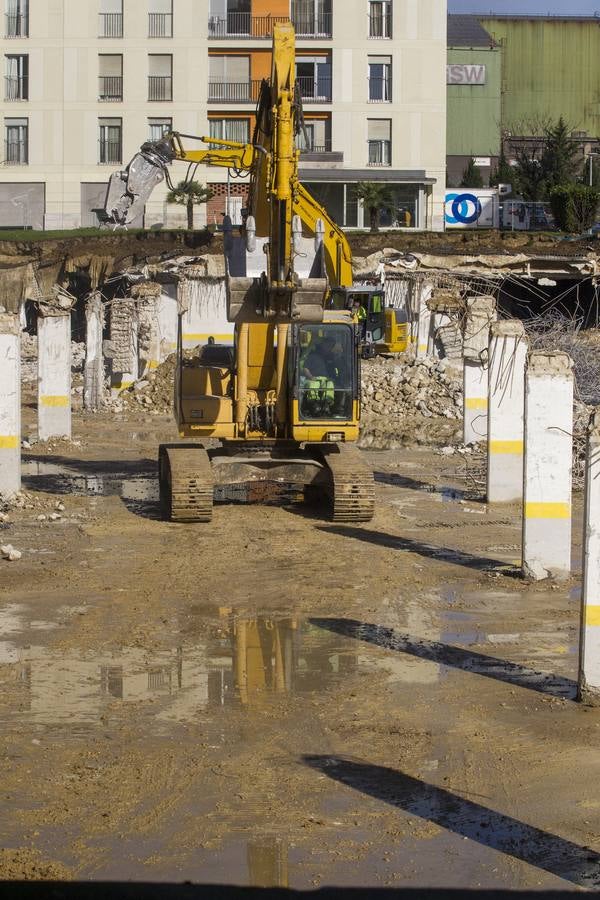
[
  {"x": 352, "y": 485},
  {"x": 186, "y": 483}
]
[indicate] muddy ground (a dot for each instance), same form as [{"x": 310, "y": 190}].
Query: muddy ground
[{"x": 277, "y": 700}]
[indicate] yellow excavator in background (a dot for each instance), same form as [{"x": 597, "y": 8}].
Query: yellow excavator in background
[{"x": 284, "y": 401}]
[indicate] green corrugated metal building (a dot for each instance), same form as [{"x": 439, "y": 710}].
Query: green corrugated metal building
[
  {"x": 551, "y": 69},
  {"x": 537, "y": 69},
  {"x": 474, "y": 104}
]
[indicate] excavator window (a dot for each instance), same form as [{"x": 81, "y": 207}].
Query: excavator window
[{"x": 326, "y": 374}]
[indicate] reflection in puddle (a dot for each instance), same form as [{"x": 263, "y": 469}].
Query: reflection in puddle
[{"x": 235, "y": 661}]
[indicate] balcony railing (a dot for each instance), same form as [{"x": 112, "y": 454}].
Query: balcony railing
[
  {"x": 380, "y": 153},
  {"x": 160, "y": 87},
  {"x": 317, "y": 148},
  {"x": 109, "y": 152},
  {"x": 110, "y": 25},
  {"x": 243, "y": 25},
  {"x": 315, "y": 90},
  {"x": 160, "y": 25},
  {"x": 16, "y": 153},
  {"x": 233, "y": 91},
  {"x": 380, "y": 89},
  {"x": 380, "y": 26},
  {"x": 16, "y": 88},
  {"x": 318, "y": 26},
  {"x": 16, "y": 26},
  {"x": 110, "y": 88}
]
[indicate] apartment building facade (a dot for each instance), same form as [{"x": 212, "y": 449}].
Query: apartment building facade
[{"x": 87, "y": 81}]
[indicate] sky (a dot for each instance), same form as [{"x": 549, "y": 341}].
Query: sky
[{"x": 527, "y": 7}]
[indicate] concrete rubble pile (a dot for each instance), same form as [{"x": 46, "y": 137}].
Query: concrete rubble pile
[{"x": 402, "y": 388}]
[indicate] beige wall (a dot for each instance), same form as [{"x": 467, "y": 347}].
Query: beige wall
[{"x": 63, "y": 109}]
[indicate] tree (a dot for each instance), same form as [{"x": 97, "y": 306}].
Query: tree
[
  {"x": 504, "y": 172},
  {"x": 375, "y": 196},
  {"x": 529, "y": 174},
  {"x": 574, "y": 206},
  {"x": 189, "y": 194},
  {"x": 471, "y": 177},
  {"x": 560, "y": 159}
]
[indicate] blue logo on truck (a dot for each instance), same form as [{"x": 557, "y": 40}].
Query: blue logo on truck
[{"x": 462, "y": 209}]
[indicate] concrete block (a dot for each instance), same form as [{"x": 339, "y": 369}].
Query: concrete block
[
  {"x": 548, "y": 465},
  {"x": 10, "y": 405},
  {"x": 589, "y": 643},
  {"x": 54, "y": 376}
]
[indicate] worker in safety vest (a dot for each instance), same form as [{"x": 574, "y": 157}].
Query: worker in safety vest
[{"x": 359, "y": 316}]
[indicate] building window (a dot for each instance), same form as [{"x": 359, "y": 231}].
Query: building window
[
  {"x": 110, "y": 134},
  {"x": 237, "y": 130},
  {"x": 160, "y": 19},
  {"x": 110, "y": 78},
  {"x": 16, "y": 142},
  {"x": 380, "y": 18},
  {"x": 16, "y": 79},
  {"x": 16, "y": 18},
  {"x": 380, "y": 79},
  {"x": 110, "y": 19},
  {"x": 229, "y": 18},
  {"x": 313, "y": 76},
  {"x": 380, "y": 142},
  {"x": 160, "y": 77},
  {"x": 315, "y": 137},
  {"x": 157, "y": 128},
  {"x": 312, "y": 18},
  {"x": 229, "y": 79}
]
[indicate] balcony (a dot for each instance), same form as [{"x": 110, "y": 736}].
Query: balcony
[
  {"x": 15, "y": 153},
  {"x": 160, "y": 25},
  {"x": 233, "y": 91},
  {"x": 110, "y": 88},
  {"x": 380, "y": 26},
  {"x": 315, "y": 90},
  {"x": 109, "y": 152},
  {"x": 110, "y": 25},
  {"x": 380, "y": 89},
  {"x": 16, "y": 26},
  {"x": 380, "y": 154},
  {"x": 160, "y": 87},
  {"x": 321, "y": 153},
  {"x": 243, "y": 25},
  {"x": 16, "y": 89}
]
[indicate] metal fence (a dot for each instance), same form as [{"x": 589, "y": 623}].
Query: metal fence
[
  {"x": 233, "y": 91},
  {"x": 110, "y": 25},
  {"x": 160, "y": 87},
  {"x": 244, "y": 25},
  {"x": 160, "y": 25},
  {"x": 315, "y": 90},
  {"x": 16, "y": 25},
  {"x": 110, "y": 88},
  {"x": 16, "y": 153},
  {"x": 380, "y": 26}
]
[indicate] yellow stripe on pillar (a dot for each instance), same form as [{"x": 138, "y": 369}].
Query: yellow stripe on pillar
[
  {"x": 9, "y": 441},
  {"x": 548, "y": 510},
  {"x": 55, "y": 400},
  {"x": 476, "y": 403},
  {"x": 592, "y": 615},
  {"x": 507, "y": 447}
]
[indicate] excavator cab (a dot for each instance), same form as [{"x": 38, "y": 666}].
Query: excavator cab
[{"x": 326, "y": 376}]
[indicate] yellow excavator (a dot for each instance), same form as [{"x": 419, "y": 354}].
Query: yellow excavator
[{"x": 284, "y": 401}]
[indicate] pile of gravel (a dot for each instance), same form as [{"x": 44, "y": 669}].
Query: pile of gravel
[{"x": 153, "y": 392}]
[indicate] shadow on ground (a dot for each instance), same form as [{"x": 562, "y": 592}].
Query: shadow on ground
[
  {"x": 546, "y": 851},
  {"x": 448, "y": 655}
]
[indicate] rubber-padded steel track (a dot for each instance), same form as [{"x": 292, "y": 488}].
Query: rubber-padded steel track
[
  {"x": 352, "y": 486},
  {"x": 186, "y": 483}
]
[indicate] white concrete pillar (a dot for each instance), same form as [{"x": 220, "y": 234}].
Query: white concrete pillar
[
  {"x": 93, "y": 371},
  {"x": 507, "y": 358},
  {"x": 54, "y": 375},
  {"x": 548, "y": 464},
  {"x": 203, "y": 301},
  {"x": 479, "y": 314},
  {"x": 589, "y": 643},
  {"x": 10, "y": 405},
  {"x": 425, "y": 320}
]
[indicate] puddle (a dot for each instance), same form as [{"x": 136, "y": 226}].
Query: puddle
[{"x": 244, "y": 663}]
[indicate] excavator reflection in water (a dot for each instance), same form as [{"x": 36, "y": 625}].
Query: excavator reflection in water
[{"x": 276, "y": 419}]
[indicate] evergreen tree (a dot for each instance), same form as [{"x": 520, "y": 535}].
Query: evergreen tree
[
  {"x": 471, "y": 177},
  {"x": 560, "y": 157},
  {"x": 529, "y": 175},
  {"x": 504, "y": 172}
]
